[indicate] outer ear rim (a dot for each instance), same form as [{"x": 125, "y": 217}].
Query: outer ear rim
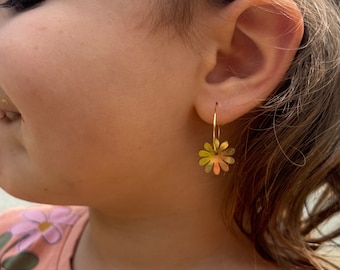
[{"x": 236, "y": 96}]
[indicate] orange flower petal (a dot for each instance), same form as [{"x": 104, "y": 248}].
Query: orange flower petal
[{"x": 217, "y": 168}]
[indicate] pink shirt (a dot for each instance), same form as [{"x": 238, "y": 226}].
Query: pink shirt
[{"x": 41, "y": 237}]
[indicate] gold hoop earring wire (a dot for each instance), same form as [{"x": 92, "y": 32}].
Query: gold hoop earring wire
[{"x": 216, "y": 156}]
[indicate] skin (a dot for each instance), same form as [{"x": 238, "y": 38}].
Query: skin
[
  {"x": 103, "y": 126},
  {"x": 82, "y": 116}
]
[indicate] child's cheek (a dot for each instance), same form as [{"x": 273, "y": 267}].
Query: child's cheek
[{"x": 40, "y": 74}]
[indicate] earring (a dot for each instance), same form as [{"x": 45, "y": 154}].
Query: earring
[{"x": 216, "y": 156}]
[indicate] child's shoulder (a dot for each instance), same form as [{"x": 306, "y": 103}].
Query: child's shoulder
[{"x": 41, "y": 236}]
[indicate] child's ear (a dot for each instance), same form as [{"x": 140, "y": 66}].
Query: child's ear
[{"x": 249, "y": 46}]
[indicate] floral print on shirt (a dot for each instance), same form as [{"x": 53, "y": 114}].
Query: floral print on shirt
[
  {"x": 35, "y": 227},
  {"x": 37, "y": 224}
]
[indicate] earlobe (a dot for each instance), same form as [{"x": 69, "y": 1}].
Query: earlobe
[{"x": 251, "y": 57}]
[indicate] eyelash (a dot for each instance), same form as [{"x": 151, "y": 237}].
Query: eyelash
[{"x": 21, "y": 5}]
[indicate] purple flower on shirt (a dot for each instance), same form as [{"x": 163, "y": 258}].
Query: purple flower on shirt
[{"x": 37, "y": 224}]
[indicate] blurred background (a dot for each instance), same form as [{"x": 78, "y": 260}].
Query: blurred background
[{"x": 7, "y": 201}]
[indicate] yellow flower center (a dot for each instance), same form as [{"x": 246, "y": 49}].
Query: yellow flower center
[{"x": 44, "y": 226}]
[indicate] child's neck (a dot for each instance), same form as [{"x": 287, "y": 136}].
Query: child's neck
[{"x": 182, "y": 240}]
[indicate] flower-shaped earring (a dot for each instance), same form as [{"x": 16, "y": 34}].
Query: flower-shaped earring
[{"x": 216, "y": 156}]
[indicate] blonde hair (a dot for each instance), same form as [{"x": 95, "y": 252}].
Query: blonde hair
[{"x": 289, "y": 150}]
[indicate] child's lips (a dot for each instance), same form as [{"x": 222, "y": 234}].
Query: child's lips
[
  {"x": 9, "y": 115},
  {"x": 7, "y": 109}
]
